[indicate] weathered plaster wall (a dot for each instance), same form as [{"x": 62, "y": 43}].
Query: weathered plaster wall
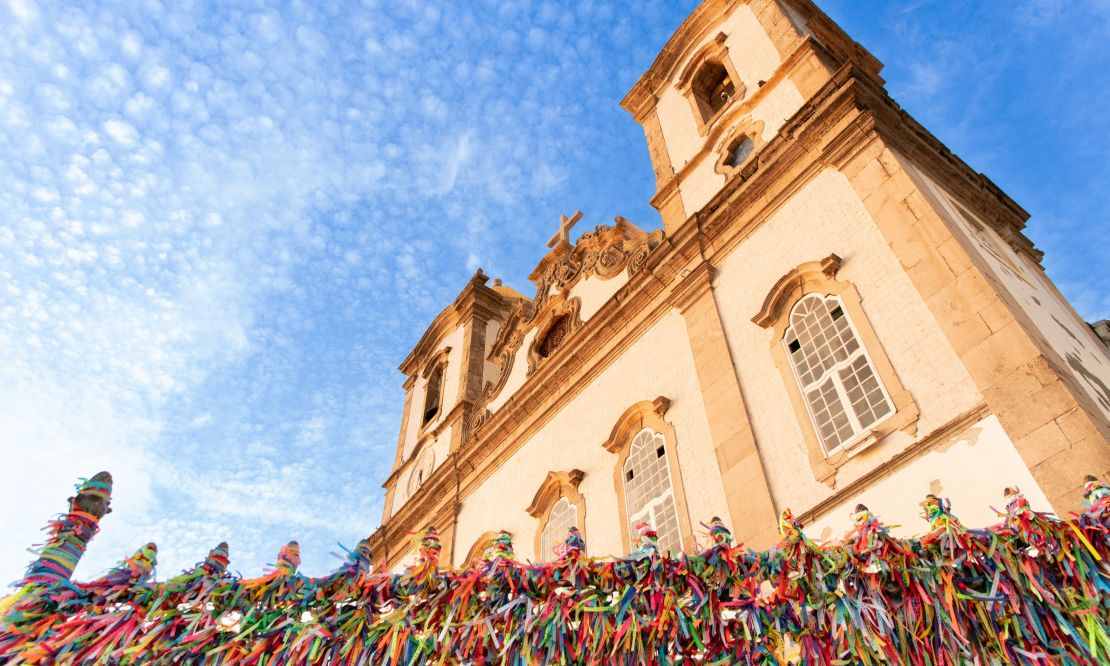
[
  {"x": 972, "y": 469},
  {"x": 659, "y": 363}
]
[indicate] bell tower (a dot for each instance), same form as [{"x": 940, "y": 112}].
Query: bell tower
[
  {"x": 724, "y": 86},
  {"x": 445, "y": 375}
]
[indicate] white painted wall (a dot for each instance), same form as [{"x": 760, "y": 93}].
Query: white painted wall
[
  {"x": 595, "y": 291},
  {"x": 450, "y": 397},
  {"x": 660, "y": 363},
  {"x": 450, "y": 394},
  {"x": 972, "y": 472}
]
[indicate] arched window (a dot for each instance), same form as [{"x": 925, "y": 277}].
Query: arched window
[
  {"x": 478, "y": 549},
  {"x": 842, "y": 390},
  {"x": 554, "y": 336},
  {"x": 563, "y": 516},
  {"x": 648, "y": 491},
  {"x": 713, "y": 88},
  {"x": 710, "y": 82},
  {"x": 432, "y": 395},
  {"x": 557, "y": 506}
]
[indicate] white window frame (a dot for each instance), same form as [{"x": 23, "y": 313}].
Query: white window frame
[
  {"x": 648, "y": 513},
  {"x": 547, "y": 548},
  {"x": 859, "y": 433}
]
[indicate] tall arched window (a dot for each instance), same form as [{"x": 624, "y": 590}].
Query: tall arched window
[
  {"x": 649, "y": 494},
  {"x": 842, "y": 390},
  {"x": 557, "y": 507},
  {"x": 432, "y": 395},
  {"x": 712, "y": 87},
  {"x": 563, "y": 516}
]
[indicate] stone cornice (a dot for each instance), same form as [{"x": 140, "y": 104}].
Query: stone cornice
[{"x": 474, "y": 299}]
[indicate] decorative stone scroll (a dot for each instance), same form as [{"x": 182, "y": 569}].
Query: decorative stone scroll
[{"x": 603, "y": 253}]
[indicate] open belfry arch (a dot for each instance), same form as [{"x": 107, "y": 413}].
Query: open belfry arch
[{"x": 837, "y": 309}]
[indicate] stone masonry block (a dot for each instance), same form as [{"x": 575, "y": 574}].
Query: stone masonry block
[
  {"x": 996, "y": 315},
  {"x": 1076, "y": 425},
  {"x": 967, "y": 334},
  {"x": 1041, "y": 444},
  {"x": 1044, "y": 406},
  {"x": 998, "y": 355},
  {"x": 1014, "y": 388},
  {"x": 1063, "y": 473},
  {"x": 930, "y": 277},
  {"x": 954, "y": 256},
  {"x": 870, "y": 178}
]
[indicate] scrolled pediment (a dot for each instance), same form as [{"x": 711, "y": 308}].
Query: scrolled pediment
[
  {"x": 552, "y": 488},
  {"x": 788, "y": 284}
]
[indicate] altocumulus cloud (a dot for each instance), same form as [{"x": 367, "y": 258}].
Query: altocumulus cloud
[{"x": 221, "y": 229}]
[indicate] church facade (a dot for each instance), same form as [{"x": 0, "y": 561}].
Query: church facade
[{"x": 836, "y": 310}]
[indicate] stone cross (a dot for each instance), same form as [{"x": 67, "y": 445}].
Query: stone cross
[{"x": 562, "y": 236}]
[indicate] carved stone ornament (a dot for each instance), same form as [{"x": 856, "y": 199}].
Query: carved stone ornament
[
  {"x": 743, "y": 130},
  {"x": 555, "y": 323},
  {"x": 603, "y": 252}
]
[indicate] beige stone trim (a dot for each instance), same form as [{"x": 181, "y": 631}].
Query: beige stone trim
[
  {"x": 556, "y": 486},
  {"x": 390, "y": 483},
  {"x": 648, "y": 414},
  {"x": 747, "y": 493},
  {"x": 557, "y": 308},
  {"x": 440, "y": 359},
  {"x": 437, "y": 362},
  {"x": 657, "y": 149},
  {"x": 778, "y": 300},
  {"x": 753, "y": 131},
  {"x": 478, "y": 548},
  {"x": 819, "y": 277}
]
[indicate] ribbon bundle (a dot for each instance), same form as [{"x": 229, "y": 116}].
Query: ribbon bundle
[{"x": 1033, "y": 589}]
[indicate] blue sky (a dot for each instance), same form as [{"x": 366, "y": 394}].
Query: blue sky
[{"x": 221, "y": 229}]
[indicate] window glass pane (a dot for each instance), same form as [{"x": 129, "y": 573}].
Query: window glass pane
[
  {"x": 649, "y": 494},
  {"x": 837, "y": 379},
  {"x": 563, "y": 516}
]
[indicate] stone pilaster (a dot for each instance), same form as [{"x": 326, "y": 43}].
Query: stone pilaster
[{"x": 752, "y": 509}]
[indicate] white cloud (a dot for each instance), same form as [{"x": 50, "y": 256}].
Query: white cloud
[
  {"x": 24, "y": 10},
  {"x": 121, "y": 131}
]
